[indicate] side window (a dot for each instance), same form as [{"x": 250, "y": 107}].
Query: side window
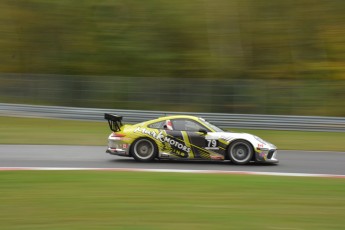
[
  {"x": 193, "y": 126},
  {"x": 179, "y": 125},
  {"x": 157, "y": 125},
  {"x": 186, "y": 125}
]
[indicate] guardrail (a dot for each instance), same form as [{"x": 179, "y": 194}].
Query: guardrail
[{"x": 248, "y": 121}]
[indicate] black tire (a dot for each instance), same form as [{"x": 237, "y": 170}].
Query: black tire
[
  {"x": 144, "y": 150},
  {"x": 240, "y": 152}
]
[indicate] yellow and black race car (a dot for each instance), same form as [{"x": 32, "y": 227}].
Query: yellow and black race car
[{"x": 185, "y": 137}]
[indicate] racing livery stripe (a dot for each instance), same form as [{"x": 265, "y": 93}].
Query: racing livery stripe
[
  {"x": 178, "y": 136},
  {"x": 187, "y": 142},
  {"x": 197, "y": 143}
]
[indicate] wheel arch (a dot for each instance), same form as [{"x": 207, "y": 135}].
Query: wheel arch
[
  {"x": 239, "y": 139},
  {"x": 144, "y": 138}
]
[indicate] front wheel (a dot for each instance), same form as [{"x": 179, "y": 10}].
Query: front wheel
[
  {"x": 144, "y": 150},
  {"x": 240, "y": 152}
]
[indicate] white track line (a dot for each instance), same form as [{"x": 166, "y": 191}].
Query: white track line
[{"x": 173, "y": 171}]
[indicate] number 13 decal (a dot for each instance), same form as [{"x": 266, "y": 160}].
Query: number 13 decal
[{"x": 211, "y": 143}]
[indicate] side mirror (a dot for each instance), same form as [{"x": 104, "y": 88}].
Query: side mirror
[{"x": 203, "y": 131}]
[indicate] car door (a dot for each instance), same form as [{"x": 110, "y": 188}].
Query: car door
[{"x": 189, "y": 131}]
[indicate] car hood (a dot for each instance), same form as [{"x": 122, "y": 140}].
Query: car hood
[{"x": 230, "y": 136}]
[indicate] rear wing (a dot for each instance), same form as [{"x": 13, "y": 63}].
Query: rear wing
[{"x": 114, "y": 121}]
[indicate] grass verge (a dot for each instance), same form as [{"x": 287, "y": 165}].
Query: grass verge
[
  {"x": 14, "y": 130},
  {"x": 131, "y": 200},
  {"x": 66, "y": 132}
]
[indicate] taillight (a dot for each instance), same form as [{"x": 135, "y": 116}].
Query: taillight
[{"x": 118, "y": 135}]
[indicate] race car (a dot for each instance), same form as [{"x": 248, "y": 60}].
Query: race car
[{"x": 186, "y": 138}]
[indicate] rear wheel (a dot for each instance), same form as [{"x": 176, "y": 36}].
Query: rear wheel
[
  {"x": 144, "y": 150},
  {"x": 240, "y": 152}
]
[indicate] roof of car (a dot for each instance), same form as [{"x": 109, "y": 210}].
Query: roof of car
[
  {"x": 174, "y": 117},
  {"x": 180, "y": 116}
]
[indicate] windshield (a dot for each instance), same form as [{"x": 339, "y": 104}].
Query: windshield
[{"x": 208, "y": 124}]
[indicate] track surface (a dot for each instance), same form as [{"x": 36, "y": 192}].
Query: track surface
[{"x": 95, "y": 157}]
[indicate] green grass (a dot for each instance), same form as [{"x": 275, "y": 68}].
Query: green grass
[
  {"x": 49, "y": 131},
  {"x": 15, "y": 130},
  {"x": 131, "y": 200}
]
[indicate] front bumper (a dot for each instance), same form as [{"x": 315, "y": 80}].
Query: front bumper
[{"x": 267, "y": 156}]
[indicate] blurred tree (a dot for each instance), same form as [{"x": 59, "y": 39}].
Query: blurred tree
[
  {"x": 297, "y": 40},
  {"x": 159, "y": 38}
]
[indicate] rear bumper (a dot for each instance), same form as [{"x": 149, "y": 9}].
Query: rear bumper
[
  {"x": 116, "y": 146},
  {"x": 117, "y": 152}
]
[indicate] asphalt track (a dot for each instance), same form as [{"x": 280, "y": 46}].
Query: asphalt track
[{"x": 306, "y": 162}]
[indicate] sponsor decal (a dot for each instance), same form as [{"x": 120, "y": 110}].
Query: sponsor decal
[
  {"x": 217, "y": 157},
  {"x": 179, "y": 153},
  {"x": 164, "y": 139},
  {"x": 211, "y": 143},
  {"x": 260, "y": 145},
  {"x": 125, "y": 146},
  {"x": 263, "y": 155}
]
